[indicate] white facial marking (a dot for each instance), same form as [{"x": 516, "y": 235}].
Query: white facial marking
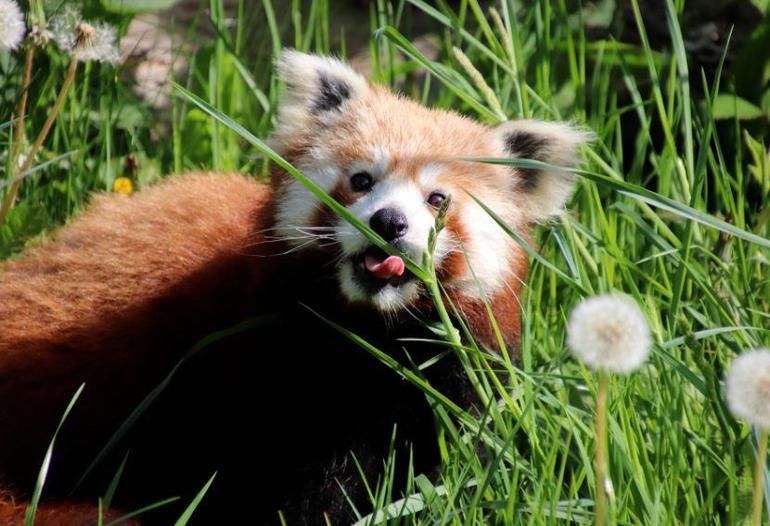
[
  {"x": 381, "y": 160},
  {"x": 298, "y": 203},
  {"x": 404, "y": 196},
  {"x": 428, "y": 176},
  {"x": 488, "y": 249},
  {"x": 348, "y": 284},
  {"x": 377, "y": 167}
]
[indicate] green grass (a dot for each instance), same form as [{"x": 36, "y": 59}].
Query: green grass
[{"x": 672, "y": 207}]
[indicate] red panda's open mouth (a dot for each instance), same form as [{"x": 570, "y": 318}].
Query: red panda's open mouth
[{"x": 375, "y": 268}]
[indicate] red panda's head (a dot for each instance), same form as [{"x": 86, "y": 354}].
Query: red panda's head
[{"x": 392, "y": 162}]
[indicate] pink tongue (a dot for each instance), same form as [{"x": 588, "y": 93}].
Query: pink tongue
[{"x": 385, "y": 269}]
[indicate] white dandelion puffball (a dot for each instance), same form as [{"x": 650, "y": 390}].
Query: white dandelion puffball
[
  {"x": 12, "y": 25},
  {"x": 748, "y": 387},
  {"x": 63, "y": 28},
  {"x": 609, "y": 332},
  {"x": 99, "y": 45},
  {"x": 83, "y": 40}
]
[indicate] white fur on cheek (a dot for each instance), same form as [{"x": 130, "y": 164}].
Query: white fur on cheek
[
  {"x": 297, "y": 203},
  {"x": 350, "y": 289},
  {"x": 489, "y": 249}
]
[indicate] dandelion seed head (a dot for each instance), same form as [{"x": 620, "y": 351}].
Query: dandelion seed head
[
  {"x": 84, "y": 40},
  {"x": 97, "y": 43},
  {"x": 84, "y": 35},
  {"x": 63, "y": 27},
  {"x": 12, "y": 25},
  {"x": 609, "y": 332},
  {"x": 748, "y": 387}
]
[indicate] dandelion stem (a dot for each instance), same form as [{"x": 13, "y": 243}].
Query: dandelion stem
[
  {"x": 759, "y": 477},
  {"x": 41, "y": 137},
  {"x": 18, "y": 135},
  {"x": 601, "y": 449}
]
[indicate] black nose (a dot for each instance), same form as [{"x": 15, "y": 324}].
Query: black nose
[{"x": 389, "y": 223}]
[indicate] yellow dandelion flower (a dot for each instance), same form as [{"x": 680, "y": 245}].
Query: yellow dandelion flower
[{"x": 123, "y": 185}]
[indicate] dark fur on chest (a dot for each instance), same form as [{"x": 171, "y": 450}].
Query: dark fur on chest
[{"x": 280, "y": 411}]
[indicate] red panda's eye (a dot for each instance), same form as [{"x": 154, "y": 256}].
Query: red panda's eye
[
  {"x": 435, "y": 199},
  {"x": 361, "y": 182}
]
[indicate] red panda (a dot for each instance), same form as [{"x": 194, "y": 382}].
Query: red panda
[{"x": 116, "y": 297}]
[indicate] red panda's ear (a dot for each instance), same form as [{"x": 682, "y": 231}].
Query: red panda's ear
[
  {"x": 554, "y": 143},
  {"x": 317, "y": 90}
]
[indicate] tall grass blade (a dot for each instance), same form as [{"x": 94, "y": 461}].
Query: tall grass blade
[
  {"x": 29, "y": 516},
  {"x": 190, "y": 510}
]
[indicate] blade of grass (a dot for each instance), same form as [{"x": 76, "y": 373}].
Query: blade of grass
[
  {"x": 188, "y": 512},
  {"x": 154, "y": 506},
  {"x": 31, "y": 512},
  {"x": 636, "y": 192}
]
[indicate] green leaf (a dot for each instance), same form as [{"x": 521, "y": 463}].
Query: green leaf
[
  {"x": 29, "y": 516},
  {"x": 144, "y": 509},
  {"x": 137, "y": 6},
  {"x": 639, "y": 193},
  {"x": 728, "y": 106},
  {"x": 448, "y": 77},
  {"x": 110, "y": 493},
  {"x": 760, "y": 161},
  {"x": 188, "y": 512}
]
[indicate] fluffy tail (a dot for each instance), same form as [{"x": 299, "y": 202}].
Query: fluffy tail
[{"x": 112, "y": 299}]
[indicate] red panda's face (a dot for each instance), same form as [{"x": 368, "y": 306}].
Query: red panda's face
[{"x": 392, "y": 163}]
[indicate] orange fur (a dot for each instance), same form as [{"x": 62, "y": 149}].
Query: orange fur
[
  {"x": 110, "y": 257},
  {"x": 86, "y": 304},
  {"x": 12, "y": 513}
]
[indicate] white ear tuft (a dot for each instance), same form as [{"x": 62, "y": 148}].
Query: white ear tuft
[
  {"x": 555, "y": 143},
  {"x": 317, "y": 88},
  {"x": 321, "y": 83}
]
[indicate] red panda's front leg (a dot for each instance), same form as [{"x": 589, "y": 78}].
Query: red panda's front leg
[{"x": 114, "y": 298}]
